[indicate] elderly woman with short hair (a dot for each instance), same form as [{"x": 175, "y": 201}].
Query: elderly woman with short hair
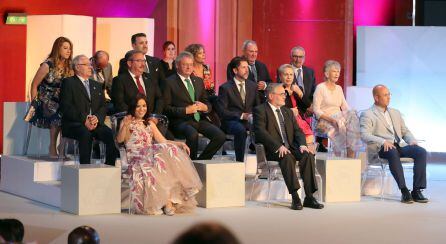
[
  {"x": 334, "y": 117},
  {"x": 293, "y": 96}
]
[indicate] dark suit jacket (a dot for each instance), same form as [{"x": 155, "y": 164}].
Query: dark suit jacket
[
  {"x": 125, "y": 90},
  {"x": 267, "y": 130},
  {"x": 108, "y": 77},
  {"x": 262, "y": 73},
  {"x": 176, "y": 99},
  {"x": 310, "y": 86},
  {"x": 154, "y": 68},
  {"x": 230, "y": 104},
  {"x": 75, "y": 104}
]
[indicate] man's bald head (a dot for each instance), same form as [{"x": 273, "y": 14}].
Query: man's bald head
[{"x": 381, "y": 94}]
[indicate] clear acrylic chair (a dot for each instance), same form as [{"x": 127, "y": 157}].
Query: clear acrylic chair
[
  {"x": 274, "y": 172},
  {"x": 382, "y": 167},
  {"x": 68, "y": 145}
]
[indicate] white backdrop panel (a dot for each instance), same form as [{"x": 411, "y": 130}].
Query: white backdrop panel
[
  {"x": 42, "y": 30},
  {"x": 410, "y": 61},
  {"x": 113, "y": 35}
]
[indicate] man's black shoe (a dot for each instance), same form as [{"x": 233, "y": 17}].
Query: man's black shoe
[
  {"x": 405, "y": 196},
  {"x": 417, "y": 196},
  {"x": 310, "y": 202}
]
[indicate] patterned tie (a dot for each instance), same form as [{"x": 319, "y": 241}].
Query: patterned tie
[
  {"x": 300, "y": 82},
  {"x": 242, "y": 92},
  {"x": 191, "y": 91},
  {"x": 252, "y": 68},
  {"x": 140, "y": 88},
  {"x": 87, "y": 87},
  {"x": 282, "y": 128}
]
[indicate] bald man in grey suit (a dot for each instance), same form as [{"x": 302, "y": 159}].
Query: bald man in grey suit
[{"x": 386, "y": 135}]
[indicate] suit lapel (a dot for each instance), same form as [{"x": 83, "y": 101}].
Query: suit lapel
[
  {"x": 183, "y": 88},
  {"x": 288, "y": 126},
  {"x": 147, "y": 83},
  {"x": 82, "y": 88},
  {"x": 237, "y": 93},
  {"x": 383, "y": 120},
  {"x": 270, "y": 114},
  {"x": 395, "y": 123},
  {"x": 306, "y": 80}
]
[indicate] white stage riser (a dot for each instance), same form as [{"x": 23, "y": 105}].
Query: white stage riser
[{"x": 31, "y": 179}]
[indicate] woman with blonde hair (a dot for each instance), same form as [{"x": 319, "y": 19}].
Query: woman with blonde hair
[{"x": 45, "y": 89}]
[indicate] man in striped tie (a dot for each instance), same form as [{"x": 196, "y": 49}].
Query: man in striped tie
[
  {"x": 276, "y": 128},
  {"x": 186, "y": 105}
]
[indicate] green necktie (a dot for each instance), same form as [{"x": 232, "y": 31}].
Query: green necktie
[{"x": 191, "y": 91}]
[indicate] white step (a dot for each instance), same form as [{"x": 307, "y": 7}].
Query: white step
[{"x": 31, "y": 178}]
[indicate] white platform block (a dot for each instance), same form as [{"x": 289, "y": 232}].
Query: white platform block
[
  {"x": 223, "y": 183},
  {"x": 91, "y": 189},
  {"x": 33, "y": 179},
  {"x": 341, "y": 178}
]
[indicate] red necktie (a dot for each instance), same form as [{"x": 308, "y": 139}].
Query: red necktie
[{"x": 140, "y": 88}]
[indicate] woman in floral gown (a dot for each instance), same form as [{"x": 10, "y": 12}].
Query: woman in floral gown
[
  {"x": 162, "y": 174},
  {"x": 45, "y": 89}
]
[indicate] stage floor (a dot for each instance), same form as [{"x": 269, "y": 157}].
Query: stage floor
[{"x": 368, "y": 221}]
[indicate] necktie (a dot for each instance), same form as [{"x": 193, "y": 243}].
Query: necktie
[
  {"x": 242, "y": 92},
  {"x": 252, "y": 68},
  {"x": 146, "y": 66},
  {"x": 191, "y": 91},
  {"x": 300, "y": 82},
  {"x": 282, "y": 128},
  {"x": 140, "y": 88},
  {"x": 87, "y": 87}
]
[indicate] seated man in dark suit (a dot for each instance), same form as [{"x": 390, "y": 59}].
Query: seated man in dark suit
[
  {"x": 276, "y": 128},
  {"x": 128, "y": 84},
  {"x": 258, "y": 72},
  {"x": 82, "y": 104},
  {"x": 186, "y": 104},
  {"x": 386, "y": 135},
  {"x": 236, "y": 99}
]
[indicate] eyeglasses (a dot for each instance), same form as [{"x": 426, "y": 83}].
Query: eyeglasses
[
  {"x": 296, "y": 56},
  {"x": 88, "y": 65},
  {"x": 138, "y": 60},
  {"x": 283, "y": 94}
]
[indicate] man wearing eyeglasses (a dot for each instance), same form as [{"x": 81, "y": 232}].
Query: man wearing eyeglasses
[
  {"x": 83, "y": 108},
  {"x": 276, "y": 128},
  {"x": 303, "y": 78},
  {"x": 128, "y": 84}
]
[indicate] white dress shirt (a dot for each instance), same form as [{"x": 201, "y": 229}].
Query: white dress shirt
[{"x": 141, "y": 80}]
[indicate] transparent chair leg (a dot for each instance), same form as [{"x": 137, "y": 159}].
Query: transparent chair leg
[
  {"x": 383, "y": 175},
  {"x": 364, "y": 179},
  {"x": 319, "y": 187},
  {"x": 269, "y": 189},
  {"x": 76, "y": 153},
  {"x": 253, "y": 187}
]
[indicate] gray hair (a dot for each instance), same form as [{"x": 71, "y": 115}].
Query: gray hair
[
  {"x": 129, "y": 55},
  {"x": 271, "y": 88},
  {"x": 76, "y": 61},
  {"x": 184, "y": 54},
  {"x": 285, "y": 66},
  {"x": 247, "y": 43},
  {"x": 331, "y": 63},
  {"x": 296, "y": 48}
]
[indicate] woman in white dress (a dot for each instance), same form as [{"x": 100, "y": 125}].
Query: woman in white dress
[
  {"x": 334, "y": 117},
  {"x": 163, "y": 176}
]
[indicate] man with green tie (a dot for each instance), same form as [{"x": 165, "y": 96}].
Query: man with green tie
[{"x": 186, "y": 106}]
